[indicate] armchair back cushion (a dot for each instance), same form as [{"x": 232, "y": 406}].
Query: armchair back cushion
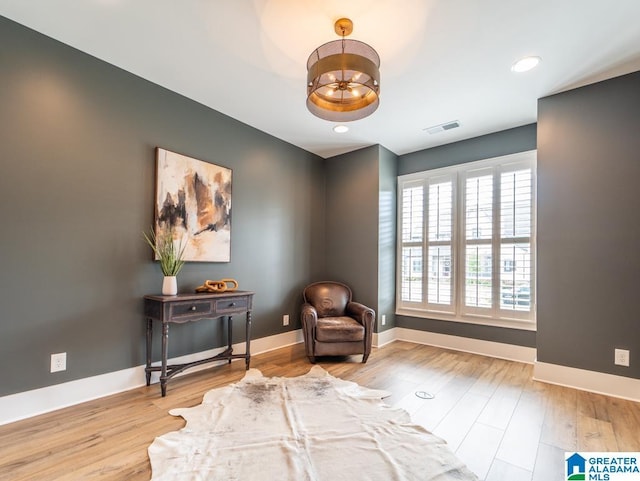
[{"x": 329, "y": 298}]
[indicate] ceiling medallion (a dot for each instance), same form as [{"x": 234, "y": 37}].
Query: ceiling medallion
[{"x": 343, "y": 78}]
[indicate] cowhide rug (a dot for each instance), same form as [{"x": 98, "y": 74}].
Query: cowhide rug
[{"x": 312, "y": 427}]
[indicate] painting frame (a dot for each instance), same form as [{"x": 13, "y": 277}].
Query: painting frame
[{"x": 193, "y": 204}]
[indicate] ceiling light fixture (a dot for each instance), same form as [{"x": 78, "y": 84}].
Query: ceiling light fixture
[
  {"x": 340, "y": 129},
  {"x": 343, "y": 78},
  {"x": 525, "y": 64}
]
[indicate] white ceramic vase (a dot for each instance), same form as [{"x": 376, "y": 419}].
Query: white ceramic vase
[{"x": 169, "y": 286}]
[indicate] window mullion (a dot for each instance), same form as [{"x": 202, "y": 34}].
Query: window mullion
[
  {"x": 496, "y": 242},
  {"x": 455, "y": 259},
  {"x": 460, "y": 248},
  {"x": 514, "y": 240},
  {"x": 426, "y": 262}
]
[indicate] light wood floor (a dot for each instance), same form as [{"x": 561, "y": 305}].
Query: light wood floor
[{"x": 501, "y": 423}]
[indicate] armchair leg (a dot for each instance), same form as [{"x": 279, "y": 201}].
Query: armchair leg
[
  {"x": 312, "y": 359},
  {"x": 365, "y": 356}
]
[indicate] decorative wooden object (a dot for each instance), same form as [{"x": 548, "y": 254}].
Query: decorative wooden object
[{"x": 222, "y": 285}]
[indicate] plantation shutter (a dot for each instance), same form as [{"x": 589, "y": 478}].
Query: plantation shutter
[
  {"x": 412, "y": 228},
  {"x": 439, "y": 243},
  {"x": 467, "y": 242}
]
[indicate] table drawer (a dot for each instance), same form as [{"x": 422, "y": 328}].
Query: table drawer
[
  {"x": 232, "y": 304},
  {"x": 181, "y": 310}
]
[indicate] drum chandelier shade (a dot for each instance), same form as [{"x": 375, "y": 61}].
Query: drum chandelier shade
[{"x": 343, "y": 78}]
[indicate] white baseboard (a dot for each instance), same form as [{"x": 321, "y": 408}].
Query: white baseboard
[
  {"x": 15, "y": 407},
  {"x": 385, "y": 337},
  {"x": 475, "y": 346},
  {"x": 596, "y": 382},
  {"x": 23, "y": 405}
]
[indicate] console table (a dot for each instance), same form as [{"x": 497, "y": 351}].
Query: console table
[{"x": 194, "y": 307}]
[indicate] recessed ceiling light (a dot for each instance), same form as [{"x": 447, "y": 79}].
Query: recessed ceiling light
[
  {"x": 340, "y": 129},
  {"x": 525, "y": 64}
]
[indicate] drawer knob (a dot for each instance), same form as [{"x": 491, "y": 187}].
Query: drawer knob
[
  {"x": 232, "y": 304},
  {"x": 193, "y": 308}
]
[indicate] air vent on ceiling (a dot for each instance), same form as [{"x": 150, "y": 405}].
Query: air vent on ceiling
[{"x": 454, "y": 124}]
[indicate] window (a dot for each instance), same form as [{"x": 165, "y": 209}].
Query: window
[{"x": 466, "y": 247}]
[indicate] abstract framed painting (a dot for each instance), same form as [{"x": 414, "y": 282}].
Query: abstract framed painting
[{"x": 193, "y": 201}]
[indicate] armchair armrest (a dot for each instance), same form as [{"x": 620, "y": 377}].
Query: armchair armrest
[
  {"x": 309, "y": 318},
  {"x": 361, "y": 313},
  {"x": 309, "y": 315},
  {"x": 365, "y": 316}
]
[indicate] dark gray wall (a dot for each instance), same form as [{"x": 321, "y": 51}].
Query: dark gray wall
[
  {"x": 588, "y": 226},
  {"x": 352, "y": 222},
  {"x": 77, "y": 140},
  {"x": 505, "y": 142},
  {"x": 519, "y": 139},
  {"x": 361, "y": 227},
  {"x": 387, "y": 214}
]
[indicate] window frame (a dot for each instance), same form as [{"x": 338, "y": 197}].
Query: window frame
[{"x": 457, "y": 311}]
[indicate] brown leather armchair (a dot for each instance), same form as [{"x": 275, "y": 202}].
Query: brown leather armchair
[{"x": 333, "y": 324}]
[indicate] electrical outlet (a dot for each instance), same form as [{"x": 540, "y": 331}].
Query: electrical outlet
[
  {"x": 384, "y": 319},
  {"x": 622, "y": 357},
  {"x": 285, "y": 320},
  {"x": 59, "y": 362}
]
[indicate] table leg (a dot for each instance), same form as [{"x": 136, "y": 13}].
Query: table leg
[
  {"x": 149, "y": 339},
  {"x": 165, "y": 351},
  {"x": 248, "y": 338},
  {"x": 229, "y": 336}
]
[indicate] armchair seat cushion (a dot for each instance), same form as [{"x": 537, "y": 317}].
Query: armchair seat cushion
[{"x": 339, "y": 329}]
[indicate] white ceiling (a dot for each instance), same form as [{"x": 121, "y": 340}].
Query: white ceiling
[{"x": 441, "y": 60}]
